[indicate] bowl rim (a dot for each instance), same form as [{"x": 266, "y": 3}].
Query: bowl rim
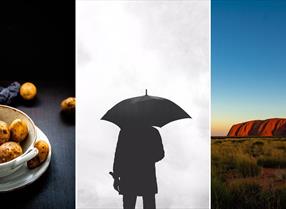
[{"x": 34, "y": 139}]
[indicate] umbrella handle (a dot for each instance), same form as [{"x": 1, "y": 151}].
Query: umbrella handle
[{"x": 112, "y": 174}]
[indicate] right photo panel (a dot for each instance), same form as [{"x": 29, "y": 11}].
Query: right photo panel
[{"x": 248, "y": 125}]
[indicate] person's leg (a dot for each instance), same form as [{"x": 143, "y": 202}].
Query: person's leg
[
  {"x": 129, "y": 201},
  {"x": 149, "y": 201}
]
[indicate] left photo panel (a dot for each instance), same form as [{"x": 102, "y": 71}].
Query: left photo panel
[{"x": 37, "y": 107}]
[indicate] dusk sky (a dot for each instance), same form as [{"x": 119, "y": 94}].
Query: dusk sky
[{"x": 248, "y": 62}]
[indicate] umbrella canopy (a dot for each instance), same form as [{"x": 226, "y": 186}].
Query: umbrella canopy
[{"x": 150, "y": 110}]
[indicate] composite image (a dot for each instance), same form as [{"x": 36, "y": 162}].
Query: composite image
[{"x": 143, "y": 104}]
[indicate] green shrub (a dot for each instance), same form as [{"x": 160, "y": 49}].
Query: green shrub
[
  {"x": 274, "y": 199},
  {"x": 220, "y": 196},
  {"x": 246, "y": 195},
  {"x": 247, "y": 167},
  {"x": 256, "y": 148},
  {"x": 238, "y": 141},
  {"x": 282, "y": 198},
  {"x": 271, "y": 162},
  {"x": 259, "y": 143},
  {"x": 281, "y": 147}
]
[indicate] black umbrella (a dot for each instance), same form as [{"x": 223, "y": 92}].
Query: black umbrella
[{"x": 151, "y": 110}]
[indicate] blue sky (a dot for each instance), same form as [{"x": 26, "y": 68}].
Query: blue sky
[{"x": 248, "y": 61}]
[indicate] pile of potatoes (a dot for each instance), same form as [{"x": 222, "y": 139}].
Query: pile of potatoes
[{"x": 10, "y": 138}]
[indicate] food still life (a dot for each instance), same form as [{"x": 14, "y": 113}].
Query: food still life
[{"x": 25, "y": 150}]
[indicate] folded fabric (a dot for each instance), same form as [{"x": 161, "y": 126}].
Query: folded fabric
[{"x": 8, "y": 94}]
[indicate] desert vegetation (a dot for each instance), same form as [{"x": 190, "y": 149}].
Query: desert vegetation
[{"x": 248, "y": 173}]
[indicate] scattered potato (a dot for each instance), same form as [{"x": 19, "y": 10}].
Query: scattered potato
[
  {"x": 28, "y": 91},
  {"x": 9, "y": 151},
  {"x": 68, "y": 105},
  {"x": 43, "y": 148},
  {"x": 18, "y": 130},
  {"x": 4, "y": 132}
]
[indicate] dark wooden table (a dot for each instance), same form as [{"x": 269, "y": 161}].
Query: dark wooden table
[{"x": 55, "y": 189}]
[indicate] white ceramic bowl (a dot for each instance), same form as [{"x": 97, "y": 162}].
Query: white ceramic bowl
[{"x": 8, "y": 114}]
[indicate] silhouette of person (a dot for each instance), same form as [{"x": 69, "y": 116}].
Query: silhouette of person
[{"x": 138, "y": 149}]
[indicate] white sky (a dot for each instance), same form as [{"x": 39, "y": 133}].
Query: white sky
[{"x": 124, "y": 47}]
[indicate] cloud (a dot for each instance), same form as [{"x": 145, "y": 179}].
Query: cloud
[{"x": 123, "y": 48}]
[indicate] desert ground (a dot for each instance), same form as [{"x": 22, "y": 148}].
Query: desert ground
[{"x": 248, "y": 173}]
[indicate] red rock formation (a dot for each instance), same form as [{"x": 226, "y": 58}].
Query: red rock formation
[{"x": 270, "y": 127}]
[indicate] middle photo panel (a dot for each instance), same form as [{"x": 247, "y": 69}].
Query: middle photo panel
[{"x": 143, "y": 89}]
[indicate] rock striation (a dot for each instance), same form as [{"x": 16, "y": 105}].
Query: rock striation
[{"x": 271, "y": 127}]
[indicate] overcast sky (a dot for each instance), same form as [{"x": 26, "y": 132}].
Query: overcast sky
[{"x": 123, "y": 48}]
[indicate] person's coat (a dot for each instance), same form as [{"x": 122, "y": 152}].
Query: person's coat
[{"x": 137, "y": 151}]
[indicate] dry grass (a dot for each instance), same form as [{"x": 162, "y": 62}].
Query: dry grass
[{"x": 249, "y": 173}]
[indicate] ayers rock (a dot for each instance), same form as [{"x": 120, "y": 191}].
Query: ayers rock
[{"x": 270, "y": 127}]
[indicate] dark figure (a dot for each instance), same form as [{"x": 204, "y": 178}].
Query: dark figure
[{"x": 137, "y": 151}]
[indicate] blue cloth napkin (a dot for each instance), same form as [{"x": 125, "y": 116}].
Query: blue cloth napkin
[{"x": 8, "y": 94}]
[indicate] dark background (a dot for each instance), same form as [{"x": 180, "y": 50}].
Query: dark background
[
  {"x": 40, "y": 41},
  {"x": 56, "y": 187},
  {"x": 39, "y": 46}
]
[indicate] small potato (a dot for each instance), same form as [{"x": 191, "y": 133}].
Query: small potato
[
  {"x": 18, "y": 130},
  {"x": 43, "y": 148},
  {"x": 4, "y": 132},
  {"x": 33, "y": 163},
  {"x": 68, "y": 105},
  {"x": 9, "y": 151},
  {"x": 28, "y": 91}
]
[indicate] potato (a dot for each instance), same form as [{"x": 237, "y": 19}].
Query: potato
[
  {"x": 28, "y": 91},
  {"x": 68, "y": 105},
  {"x": 43, "y": 148},
  {"x": 4, "y": 132},
  {"x": 33, "y": 163},
  {"x": 18, "y": 130},
  {"x": 9, "y": 151}
]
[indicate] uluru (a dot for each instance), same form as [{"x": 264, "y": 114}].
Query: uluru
[{"x": 274, "y": 127}]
